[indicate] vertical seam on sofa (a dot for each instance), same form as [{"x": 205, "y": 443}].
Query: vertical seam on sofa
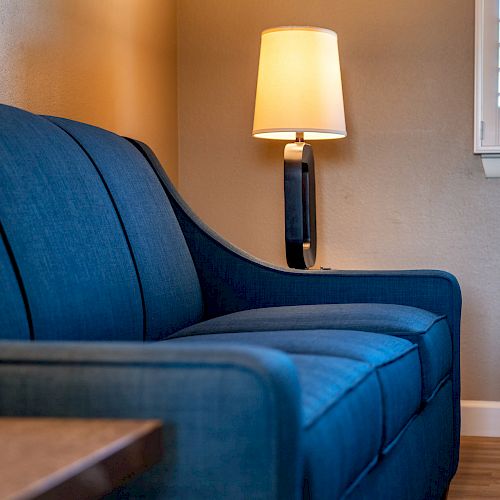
[
  {"x": 122, "y": 225},
  {"x": 19, "y": 279},
  {"x": 143, "y": 152}
]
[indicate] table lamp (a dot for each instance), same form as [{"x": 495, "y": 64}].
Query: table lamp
[{"x": 299, "y": 98}]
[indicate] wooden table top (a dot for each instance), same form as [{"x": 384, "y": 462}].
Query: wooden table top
[{"x": 73, "y": 458}]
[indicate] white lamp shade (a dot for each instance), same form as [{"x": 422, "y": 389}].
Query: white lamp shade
[{"x": 299, "y": 87}]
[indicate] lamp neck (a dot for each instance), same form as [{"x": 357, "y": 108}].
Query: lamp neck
[{"x": 299, "y": 136}]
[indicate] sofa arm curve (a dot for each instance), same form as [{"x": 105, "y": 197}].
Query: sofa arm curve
[
  {"x": 233, "y": 280},
  {"x": 231, "y": 414}
]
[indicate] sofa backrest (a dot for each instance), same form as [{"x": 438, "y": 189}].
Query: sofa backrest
[{"x": 90, "y": 248}]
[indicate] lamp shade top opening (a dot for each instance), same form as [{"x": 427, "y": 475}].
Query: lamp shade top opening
[{"x": 299, "y": 86}]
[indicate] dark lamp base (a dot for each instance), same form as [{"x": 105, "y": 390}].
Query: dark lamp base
[{"x": 300, "y": 206}]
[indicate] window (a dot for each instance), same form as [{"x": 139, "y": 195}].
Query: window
[{"x": 487, "y": 86}]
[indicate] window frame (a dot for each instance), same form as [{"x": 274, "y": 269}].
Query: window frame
[{"x": 481, "y": 122}]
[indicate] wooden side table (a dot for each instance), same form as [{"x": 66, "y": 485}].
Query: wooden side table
[{"x": 59, "y": 458}]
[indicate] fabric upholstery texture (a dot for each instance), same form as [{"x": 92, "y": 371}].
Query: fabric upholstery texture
[
  {"x": 395, "y": 361},
  {"x": 351, "y": 390},
  {"x": 13, "y": 317},
  {"x": 423, "y": 447},
  {"x": 344, "y": 376},
  {"x": 383, "y": 318},
  {"x": 170, "y": 287},
  {"x": 271, "y": 383},
  {"x": 228, "y": 411},
  {"x": 71, "y": 252},
  {"x": 427, "y": 330},
  {"x": 99, "y": 250}
]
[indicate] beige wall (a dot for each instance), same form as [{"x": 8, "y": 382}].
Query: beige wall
[
  {"x": 111, "y": 63},
  {"x": 403, "y": 190}
]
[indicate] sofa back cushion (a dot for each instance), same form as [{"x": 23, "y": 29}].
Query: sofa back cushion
[{"x": 90, "y": 248}]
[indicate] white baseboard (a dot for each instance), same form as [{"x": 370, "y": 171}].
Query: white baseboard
[{"x": 480, "y": 418}]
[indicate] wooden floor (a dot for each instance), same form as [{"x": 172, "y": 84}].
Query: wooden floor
[{"x": 478, "y": 473}]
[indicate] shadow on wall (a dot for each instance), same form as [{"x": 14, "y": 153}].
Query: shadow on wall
[{"x": 111, "y": 64}]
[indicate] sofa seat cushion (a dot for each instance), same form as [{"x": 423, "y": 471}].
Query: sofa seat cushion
[
  {"x": 394, "y": 360},
  {"x": 339, "y": 441},
  {"x": 428, "y": 331},
  {"x": 358, "y": 391}
]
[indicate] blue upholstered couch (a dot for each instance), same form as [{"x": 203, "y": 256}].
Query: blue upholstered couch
[{"x": 272, "y": 383}]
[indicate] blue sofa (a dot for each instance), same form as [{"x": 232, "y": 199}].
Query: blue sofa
[{"x": 272, "y": 383}]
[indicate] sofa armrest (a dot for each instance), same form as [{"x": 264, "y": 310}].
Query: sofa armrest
[{"x": 231, "y": 414}]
